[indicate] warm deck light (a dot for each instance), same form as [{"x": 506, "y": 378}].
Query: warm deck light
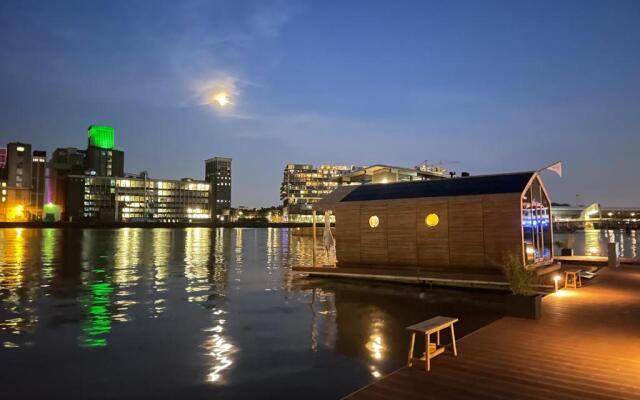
[
  {"x": 374, "y": 221},
  {"x": 556, "y": 279},
  {"x": 432, "y": 220}
]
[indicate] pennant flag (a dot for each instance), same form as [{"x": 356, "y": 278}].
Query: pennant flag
[{"x": 555, "y": 167}]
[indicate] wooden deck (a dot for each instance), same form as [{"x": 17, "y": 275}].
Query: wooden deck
[
  {"x": 586, "y": 346},
  {"x": 583, "y": 260}
]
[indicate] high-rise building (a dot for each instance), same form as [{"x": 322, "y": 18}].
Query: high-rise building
[
  {"x": 218, "y": 174},
  {"x": 17, "y": 183},
  {"x": 64, "y": 162},
  {"x": 18, "y": 165},
  {"x": 303, "y": 185},
  {"x": 3, "y": 158},
  {"x": 38, "y": 176},
  {"x": 3, "y": 184},
  {"x": 3, "y": 199},
  {"x": 103, "y": 159},
  {"x": 132, "y": 199}
]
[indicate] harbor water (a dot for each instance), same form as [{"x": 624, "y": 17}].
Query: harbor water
[
  {"x": 199, "y": 313},
  {"x": 594, "y": 242}
]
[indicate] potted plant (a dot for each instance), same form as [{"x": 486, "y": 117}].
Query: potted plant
[
  {"x": 523, "y": 301},
  {"x": 566, "y": 246}
]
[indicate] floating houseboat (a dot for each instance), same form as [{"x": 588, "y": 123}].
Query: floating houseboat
[{"x": 450, "y": 231}]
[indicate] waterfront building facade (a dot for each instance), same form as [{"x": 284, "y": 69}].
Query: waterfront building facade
[
  {"x": 3, "y": 158},
  {"x": 38, "y": 177},
  {"x": 381, "y": 173},
  {"x": 64, "y": 162},
  {"x": 304, "y": 184},
  {"x": 218, "y": 175},
  {"x": 3, "y": 184},
  {"x": 22, "y": 192},
  {"x": 136, "y": 199}
]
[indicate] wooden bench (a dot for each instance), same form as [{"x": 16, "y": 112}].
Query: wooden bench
[
  {"x": 572, "y": 279},
  {"x": 428, "y": 327}
]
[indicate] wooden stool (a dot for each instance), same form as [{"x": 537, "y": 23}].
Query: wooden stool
[
  {"x": 433, "y": 325},
  {"x": 572, "y": 279}
]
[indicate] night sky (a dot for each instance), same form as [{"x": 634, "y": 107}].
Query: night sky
[{"x": 497, "y": 86}]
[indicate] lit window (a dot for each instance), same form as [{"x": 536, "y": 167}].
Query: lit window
[
  {"x": 374, "y": 221},
  {"x": 432, "y": 220}
]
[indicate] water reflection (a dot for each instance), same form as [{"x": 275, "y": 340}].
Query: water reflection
[
  {"x": 17, "y": 297},
  {"x": 323, "y": 319},
  {"x": 595, "y": 242},
  {"x": 592, "y": 242},
  {"x": 97, "y": 309},
  {"x": 161, "y": 257}
]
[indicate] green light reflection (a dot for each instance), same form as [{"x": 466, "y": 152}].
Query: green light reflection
[{"x": 97, "y": 303}]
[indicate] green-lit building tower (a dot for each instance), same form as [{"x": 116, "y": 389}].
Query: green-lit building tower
[{"x": 103, "y": 159}]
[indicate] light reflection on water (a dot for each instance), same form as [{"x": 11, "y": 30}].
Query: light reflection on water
[
  {"x": 594, "y": 242},
  {"x": 213, "y": 312}
]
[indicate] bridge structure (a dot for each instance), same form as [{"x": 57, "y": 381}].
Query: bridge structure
[{"x": 595, "y": 216}]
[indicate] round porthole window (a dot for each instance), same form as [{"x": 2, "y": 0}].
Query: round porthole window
[
  {"x": 374, "y": 221},
  {"x": 431, "y": 220}
]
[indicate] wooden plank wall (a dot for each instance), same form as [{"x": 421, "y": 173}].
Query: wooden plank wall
[
  {"x": 432, "y": 243},
  {"x": 473, "y": 232},
  {"x": 466, "y": 237},
  {"x": 348, "y": 232},
  {"x": 373, "y": 241},
  {"x": 501, "y": 230},
  {"x": 401, "y": 233}
]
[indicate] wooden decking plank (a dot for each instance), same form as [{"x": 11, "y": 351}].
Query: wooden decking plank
[{"x": 586, "y": 346}]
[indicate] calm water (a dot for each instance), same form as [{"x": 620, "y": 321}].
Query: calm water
[
  {"x": 198, "y": 313},
  {"x": 594, "y": 242}
]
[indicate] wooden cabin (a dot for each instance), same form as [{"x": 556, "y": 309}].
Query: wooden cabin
[{"x": 461, "y": 224}]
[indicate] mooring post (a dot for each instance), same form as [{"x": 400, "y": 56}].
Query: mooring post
[
  {"x": 613, "y": 256},
  {"x": 313, "y": 215}
]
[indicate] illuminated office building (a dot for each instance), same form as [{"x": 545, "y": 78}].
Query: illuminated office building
[
  {"x": 136, "y": 199},
  {"x": 304, "y": 185}
]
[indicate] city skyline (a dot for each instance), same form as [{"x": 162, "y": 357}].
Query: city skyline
[{"x": 499, "y": 88}]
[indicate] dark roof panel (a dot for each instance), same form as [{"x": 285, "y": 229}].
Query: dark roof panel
[{"x": 468, "y": 186}]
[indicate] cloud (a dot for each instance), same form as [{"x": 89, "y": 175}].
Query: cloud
[
  {"x": 168, "y": 55},
  {"x": 268, "y": 21}
]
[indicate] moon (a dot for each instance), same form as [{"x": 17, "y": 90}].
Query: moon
[{"x": 222, "y": 99}]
